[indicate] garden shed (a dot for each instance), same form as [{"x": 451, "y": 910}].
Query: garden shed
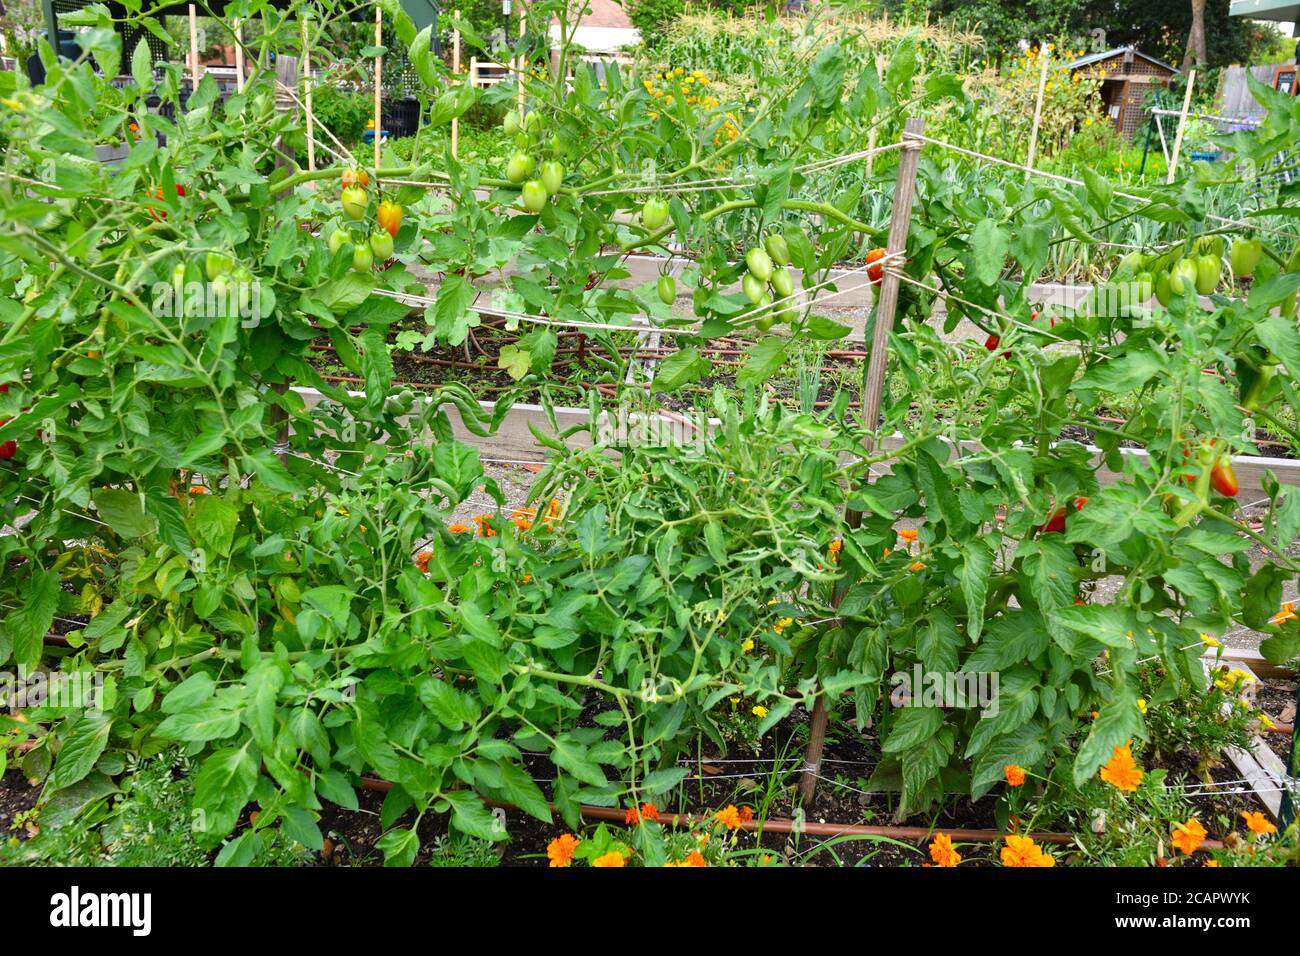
[{"x": 1126, "y": 73}]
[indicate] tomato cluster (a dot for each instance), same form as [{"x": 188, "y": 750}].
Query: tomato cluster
[
  {"x": 355, "y": 201},
  {"x": 534, "y": 191}
]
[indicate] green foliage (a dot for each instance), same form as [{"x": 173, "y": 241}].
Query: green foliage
[
  {"x": 343, "y": 112},
  {"x": 146, "y": 820},
  {"x": 654, "y": 17}
]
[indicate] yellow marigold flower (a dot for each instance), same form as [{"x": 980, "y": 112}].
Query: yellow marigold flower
[
  {"x": 1208, "y": 641},
  {"x": 729, "y": 817},
  {"x": 1142, "y": 705},
  {"x": 759, "y": 710},
  {"x": 1121, "y": 772},
  {"x": 942, "y": 852},
  {"x": 1211, "y": 862},
  {"x": 1256, "y": 822},
  {"x": 1023, "y": 851},
  {"x": 560, "y": 850},
  {"x": 747, "y": 645},
  {"x": 1015, "y": 774},
  {"x": 1266, "y": 721},
  {"x": 1188, "y": 836},
  {"x": 612, "y": 858}
]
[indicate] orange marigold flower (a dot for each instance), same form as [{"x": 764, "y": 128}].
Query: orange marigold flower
[
  {"x": 1188, "y": 836},
  {"x": 198, "y": 490},
  {"x": 746, "y": 814},
  {"x": 729, "y": 817},
  {"x": 916, "y": 566},
  {"x": 1287, "y": 613},
  {"x": 458, "y": 528},
  {"x": 695, "y": 858},
  {"x": 422, "y": 561},
  {"x": 612, "y": 858},
  {"x": 1023, "y": 851},
  {"x": 1121, "y": 772},
  {"x": 523, "y": 524},
  {"x": 1015, "y": 774},
  {"x": 834, "y": 548},
  {"x": 942, "y": 852},
  {"x": 631, "y": 816},
  {"x": 1256, "y": 822},
  {"x": 560, "y": 850},
  {"x": 649, "y": 812},
  {"x": 485, "y": 530},
  {"x": 908, "y": 534},
  {"x": 1211, "y": 862}
]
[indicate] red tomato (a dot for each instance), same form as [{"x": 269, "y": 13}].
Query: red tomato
[
  {"x": 877, "y": 272},
  {"x": 1056, "y": 523}
]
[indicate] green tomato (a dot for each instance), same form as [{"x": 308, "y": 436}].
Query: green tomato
[
  {"x": 354, "y": 201},
  {"x": 519, "y": 168},
  {"x": 654, "y": 214},
  {"x": 1211, "y": 245},
  {"x": 777, "y": 248},
  {"x": 510, "y": 123},
  {"x": 1163, "y": 289},
  {"x": 338, "y": 239},
  {"x": 1182, "y": 277},
  {"x": 217, "y": 264},
  {"x": 1145, "y": 287},
  {"x": 1208, "y": 269},
  {"x": 534, "y": 196},
  {"x": 178, "y": 275},
  {"x": 1245, "y": 256},
  {"x": 782, "y": 283},
  {"x": 552, "y": 176},
  {"x": 766, "y": 322},
  {"x": 1130, "y": 265},
  {"x": 362, "y": 258},
  {"x": 381, "y": 244},
  {"x": 667, "y": 289},
  {"x": 752, "y": 287},
  {"x": 760, "y": 265}
]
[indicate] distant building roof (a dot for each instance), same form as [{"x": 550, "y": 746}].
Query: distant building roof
[{"x": 1098, "y": 57}]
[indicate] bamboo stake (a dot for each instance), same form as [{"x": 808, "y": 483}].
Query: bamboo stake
[
  {"x": 306, "y": 85},
  {"x": 1182, "y": 125},
  {"x": 194, "y": 46},
  {"x": 520, "y": 61},
  {"x": 379, "y": 74},
  {"x": 873, "y": 389},
  {"x": 455, "y": 69},
  {"x": 1038, "y": 108},
  {"x": 239, "y": 55}
]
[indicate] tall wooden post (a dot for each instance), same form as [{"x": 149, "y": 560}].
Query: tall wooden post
[
  {"x": 1038, "y": 107},
  {"x": 306, "y": 88},
  {"x": 238, "y": 26},
  {"x": 872, "y": 392},
  {"x": 379, "y": 76},
  {"x": 194, "y": 46},
  {"x": 455, "y": 71},
  {"x": 1182, "y": 125}
]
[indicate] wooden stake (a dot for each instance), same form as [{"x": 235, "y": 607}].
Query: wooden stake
[
  {"x": 455, "y": 70},
  {"x": 194, "y": 46},
  {"x": 1182, "y": 125},
  {"x": 239, "y": 56},
  {"x": 379, "y": 76},
  {"x": 306, "y": 86},
  {"x": 873, "y": 389},
  {"x": 1038, "y": 107}
]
